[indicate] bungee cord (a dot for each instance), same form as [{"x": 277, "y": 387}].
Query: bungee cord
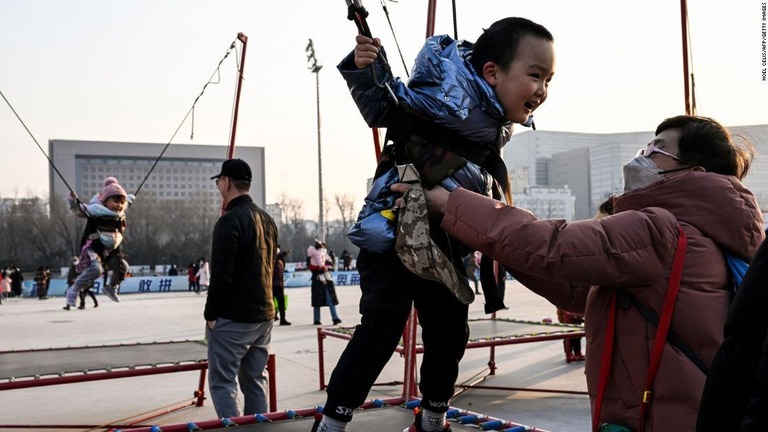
[
  {"x": 190, "y": 112},
  {"x": 216, "y": 73},
  {"x": 37, "y": 143}
]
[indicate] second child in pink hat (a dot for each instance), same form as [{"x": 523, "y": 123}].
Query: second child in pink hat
[{"x": 102, "y": 239}]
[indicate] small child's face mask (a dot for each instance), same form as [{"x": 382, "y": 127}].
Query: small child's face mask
[{"x": 116, "y": 203}]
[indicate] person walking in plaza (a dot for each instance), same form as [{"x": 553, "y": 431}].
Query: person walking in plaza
[
  {"x": 5, "y": 284},
  {"x": 449, "y": 123},
  {"x": 683, "y": 205},
  {"x": 323, "y": 289},
  {"x": 239, "y": 311},
  {"x": 278, "y": 285},
  {"x": 41, "y": 283},
  {"x": 203, "y": 276},
  {"x": 192, "y": 269},
  {"x": 16, "y": 282}
]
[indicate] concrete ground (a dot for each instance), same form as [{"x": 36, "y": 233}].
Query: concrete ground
[{"x": 31, "y": 323}]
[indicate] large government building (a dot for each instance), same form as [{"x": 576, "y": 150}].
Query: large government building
[{"x": 183, "y": 172}]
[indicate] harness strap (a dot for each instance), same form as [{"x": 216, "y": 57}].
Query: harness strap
[{"x": 673, "y": 286}]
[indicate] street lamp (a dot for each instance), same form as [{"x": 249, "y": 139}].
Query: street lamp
[{"x": 314, "y": 67}]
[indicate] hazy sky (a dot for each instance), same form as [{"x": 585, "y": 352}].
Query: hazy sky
[{"x": 130, "y": 70}]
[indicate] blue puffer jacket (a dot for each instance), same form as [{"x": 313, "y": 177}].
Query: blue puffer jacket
[{"x": 444, "y": 89}]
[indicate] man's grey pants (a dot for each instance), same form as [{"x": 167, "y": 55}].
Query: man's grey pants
[{"x": 238, "y": 350}]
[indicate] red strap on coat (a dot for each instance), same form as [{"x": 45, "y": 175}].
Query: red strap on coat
[{"x": 673, "y": 285}]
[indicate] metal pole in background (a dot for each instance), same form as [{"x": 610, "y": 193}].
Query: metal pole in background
[{"x": 314, "y": 67}]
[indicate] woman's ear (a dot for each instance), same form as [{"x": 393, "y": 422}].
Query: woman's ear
[{"x": 490, "y": 69}]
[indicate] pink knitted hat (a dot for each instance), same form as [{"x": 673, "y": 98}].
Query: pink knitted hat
[{"x": 111, "y": 188}]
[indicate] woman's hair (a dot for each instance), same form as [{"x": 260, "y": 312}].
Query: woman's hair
[
  {"x": 499, "y": 42},
  {"x": 705, "y": 142}
]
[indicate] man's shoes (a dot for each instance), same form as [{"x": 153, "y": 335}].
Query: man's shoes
[
  {"x": 336, "y": 322},
  {"x": 66, "y": 307},
  {"x": 416, "y": 426},
  {"x": 111, "y": 293},
  {"x": 578, "y": 357},
  {"x": 277, "y": 318},
  {"x": 318, "y": 323},
  {"x": 284, "y": 322},
  {"x": 81, "y": 307}
]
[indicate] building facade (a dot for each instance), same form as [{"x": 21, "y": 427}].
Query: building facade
[
  {"x": 183, "y": 172},
  {"x": 591, "y": 164}
]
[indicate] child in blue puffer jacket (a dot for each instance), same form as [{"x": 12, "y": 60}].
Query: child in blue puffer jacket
[{"x": 450, "y": 121}]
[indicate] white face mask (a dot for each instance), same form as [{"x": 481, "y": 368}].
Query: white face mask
[{"x": 640, "y": 172}]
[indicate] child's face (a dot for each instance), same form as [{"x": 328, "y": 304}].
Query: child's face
[
  {"x": 115, "y": 203},
  {"x": 523, "y": 86}
]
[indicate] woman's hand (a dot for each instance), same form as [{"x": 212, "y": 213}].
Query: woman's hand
[
  {"x": 437, "y": 198},
  {"x": 366, "y": 51}
]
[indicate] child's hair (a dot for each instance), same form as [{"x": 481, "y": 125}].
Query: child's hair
[
  {"x": 499, "y": 42},
  {"x": 705, "y": 142}
]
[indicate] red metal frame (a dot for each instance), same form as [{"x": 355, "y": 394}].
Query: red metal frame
[
  {"x": 199, "y": 394},
  {"x": 409, "y": 349}
]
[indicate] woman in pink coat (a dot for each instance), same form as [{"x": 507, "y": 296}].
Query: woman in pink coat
[{"x": 687, "y": 177}]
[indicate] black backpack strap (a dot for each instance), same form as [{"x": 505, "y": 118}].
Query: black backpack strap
[
  {"x": 625, "y": 299},
  {"x": 402, "y": 125}
]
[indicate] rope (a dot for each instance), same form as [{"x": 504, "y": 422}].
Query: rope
[
  {"x": 38, "y": 144},
  {"x": 190, "y": 112},
  {"x": 455, "y": 27},
  {"x": 394, "y": 36}
]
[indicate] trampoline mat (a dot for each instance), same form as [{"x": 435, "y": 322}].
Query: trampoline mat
[
  {"x": 484, "y": 329},
  {"x": 58, "y": 361}
]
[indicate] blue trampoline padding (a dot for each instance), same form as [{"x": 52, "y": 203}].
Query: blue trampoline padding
[
  {"x": 516, "y": 429},
  {"x": 290, "y": 414},
  {"x": 191, "y": 426},
  {"x": 260, "y": 418},
  {"x": 228, "y": 423},
  {"x": 452, "y": 413},
  {"x": 468, "y": 419},
  {"x": 492, "y": 425},
  {"x": 413, "y": 404}
]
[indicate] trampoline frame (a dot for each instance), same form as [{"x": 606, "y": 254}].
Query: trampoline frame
[
  {"x": 125, "y": 371},
  {"x": 409, "y": 349}
]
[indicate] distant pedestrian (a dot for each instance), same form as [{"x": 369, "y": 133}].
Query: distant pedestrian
[
  {"x": 471, "y": 266},
  {"x": 41, "y": 283},
  {"x": 5, "y": 284},
  {"x": 323, "y": 289},
  {"x": 278, "y": 285},
  {"x": 192, "y": 277},
  {"x": 173, "y": 271},
  {"x": 16, "y": 279},
  {"x": 203, "y": 276},
  {"x": 346, "y": 260}
]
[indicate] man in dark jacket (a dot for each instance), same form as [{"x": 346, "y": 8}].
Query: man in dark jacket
[
  {"x": 239, "y": 309},
  {"x": 736, "y": 393}
]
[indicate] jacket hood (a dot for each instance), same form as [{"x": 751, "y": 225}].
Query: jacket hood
[{"x": 717, "y": 205}]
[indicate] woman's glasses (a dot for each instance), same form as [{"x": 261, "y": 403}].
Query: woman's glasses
[{"x": 651, "y": 149}]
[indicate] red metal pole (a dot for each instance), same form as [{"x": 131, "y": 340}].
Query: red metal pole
[
  {"x": 684, "y": 21},
  {"x": 272, "y": 373},
  {"x": 431, "y": 17},
  {"x": 244, "y": 40}
]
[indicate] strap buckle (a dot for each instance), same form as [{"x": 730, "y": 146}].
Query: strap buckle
[{"x": 647, "y": 396}]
